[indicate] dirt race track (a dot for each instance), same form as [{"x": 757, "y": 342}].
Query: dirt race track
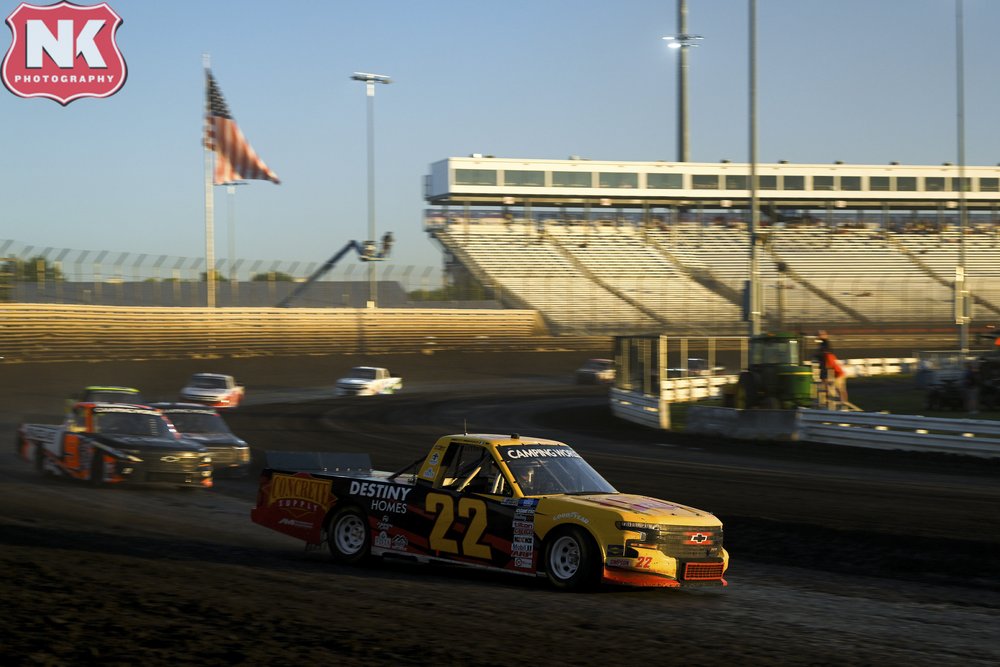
[{"x": 840, "y": 557}]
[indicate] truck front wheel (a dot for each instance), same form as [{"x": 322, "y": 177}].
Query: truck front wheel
[
  {"x": 571, "y": 560},
  {"x": 97, "y": 468},
  {"x": 349, "y": 537}
]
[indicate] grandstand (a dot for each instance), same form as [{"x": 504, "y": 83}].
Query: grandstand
[{"x": 601, "y": 247}]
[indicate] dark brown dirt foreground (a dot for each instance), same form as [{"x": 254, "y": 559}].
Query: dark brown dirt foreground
[{"x": 847, "y": 558}]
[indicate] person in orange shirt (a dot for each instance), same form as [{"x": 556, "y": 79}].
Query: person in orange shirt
[{"x": 831, "y": 372}]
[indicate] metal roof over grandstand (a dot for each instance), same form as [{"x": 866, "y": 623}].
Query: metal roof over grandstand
[{"x": 484, "y": 180}]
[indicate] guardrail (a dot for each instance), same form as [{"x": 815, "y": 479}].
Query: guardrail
[
  {"x": 48, "y": 332},
  {"x": 874, "y": 430}
]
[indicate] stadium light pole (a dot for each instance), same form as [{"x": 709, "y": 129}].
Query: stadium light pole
[
  {"x": 961, "y": 296},
  {"x": 681, "y": 42},
  {"x": 753, "y": 296},
  {"x": 370, "y": 80}
]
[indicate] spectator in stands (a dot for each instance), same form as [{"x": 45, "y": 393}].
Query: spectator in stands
[{"x": 970, "y": 387}]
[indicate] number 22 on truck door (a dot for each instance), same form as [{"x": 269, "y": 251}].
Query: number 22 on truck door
[{"x": 474, "y": 509}]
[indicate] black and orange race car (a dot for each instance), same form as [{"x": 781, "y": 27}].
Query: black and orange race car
[{"x": 110, "y": 443}]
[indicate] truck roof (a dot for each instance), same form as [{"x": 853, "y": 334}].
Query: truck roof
[
  {"x": 498, "y": 440},
  {"x": 101, "y": 387},
  {"x": 119, "y": 407}
]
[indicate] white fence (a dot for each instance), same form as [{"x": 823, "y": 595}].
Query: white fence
[{"x": 640, "y": 408}]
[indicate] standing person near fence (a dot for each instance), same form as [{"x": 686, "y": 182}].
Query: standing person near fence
[{"x": 831, "y": 373}]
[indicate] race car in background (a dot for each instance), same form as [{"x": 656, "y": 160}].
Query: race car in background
[
  {"x": 507, "y": 503},
  {"x": 368, "y": 381},
  {"x": 114, "y": 443},
  {"x": 596, "y": 371},
  {"x": 204, "y": 425},
  {"x": 215, "y": 389}
]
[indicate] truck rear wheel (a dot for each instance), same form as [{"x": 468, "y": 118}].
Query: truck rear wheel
[
  {"x": 40, "y": 461},
  {"x": 571, "y": 560},
  {"x": 349, "y": 536}
]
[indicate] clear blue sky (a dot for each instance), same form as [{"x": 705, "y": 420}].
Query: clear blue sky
[{"x": 861, "y": 81}]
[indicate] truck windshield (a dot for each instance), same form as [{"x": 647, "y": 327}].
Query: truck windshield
[
  {"x": 780, "y": 351},
  {"x": 362, "y": 373},
  {"x": 198, "y": 422},
  {"x": 205, "y": 382},
  {"x": 544, "y": 470},
  {"x": 132, "y": 423}
]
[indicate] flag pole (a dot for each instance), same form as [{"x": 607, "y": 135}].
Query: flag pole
[{"x": 209, "y": 203}]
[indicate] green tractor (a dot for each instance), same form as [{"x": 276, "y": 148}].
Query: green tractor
[{"x": 778, "y": 377}]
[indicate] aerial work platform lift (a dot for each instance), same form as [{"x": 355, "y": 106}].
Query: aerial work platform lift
[{"x": 367, "y": 252}]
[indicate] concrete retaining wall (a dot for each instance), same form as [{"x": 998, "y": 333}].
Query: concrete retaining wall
[{"x": 743, "y": 424}]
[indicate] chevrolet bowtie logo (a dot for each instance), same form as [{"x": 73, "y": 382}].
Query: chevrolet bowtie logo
[
  {"x": 170, "y": 459},
  {"x": 698, "y": 538}
]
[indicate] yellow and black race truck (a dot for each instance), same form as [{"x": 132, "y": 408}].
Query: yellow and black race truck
[
  {"x": 509, "y": 503},
  {"x": 112, "y": 443}
]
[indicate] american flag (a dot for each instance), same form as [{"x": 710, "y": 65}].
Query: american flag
[{"x": 235, "y": 159}]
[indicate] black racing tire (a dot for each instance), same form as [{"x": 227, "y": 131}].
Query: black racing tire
[
  {"x": 349, "y": 536},
  {"x": 97, "y": 468},
  {"x": 572, "y": 560},
  {"x": 40, "y": 461}
]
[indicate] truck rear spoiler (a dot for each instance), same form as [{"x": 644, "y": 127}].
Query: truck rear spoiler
[{"x": 318, "y": 461}]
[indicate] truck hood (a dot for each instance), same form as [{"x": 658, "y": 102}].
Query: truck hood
[
  {"x": 214, "y": 438},
  {"x": 639, "y": 508},
  {"x": 148, "y": 443},
  {"x": 353, "y": 382}
]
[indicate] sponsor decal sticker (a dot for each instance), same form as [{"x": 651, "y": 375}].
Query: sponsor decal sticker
[
  {"x": 300, "y": 495},
  {"x": 385, "y": 497},
  {"x": 571, "y": 515},
  {"x": 64, "y": 52},
  {"x": 511, "y": 453}
]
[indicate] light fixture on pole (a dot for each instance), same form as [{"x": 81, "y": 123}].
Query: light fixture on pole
[
  {"x": 682, "y": 41},
  {"x": 370, "y": 80}
]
